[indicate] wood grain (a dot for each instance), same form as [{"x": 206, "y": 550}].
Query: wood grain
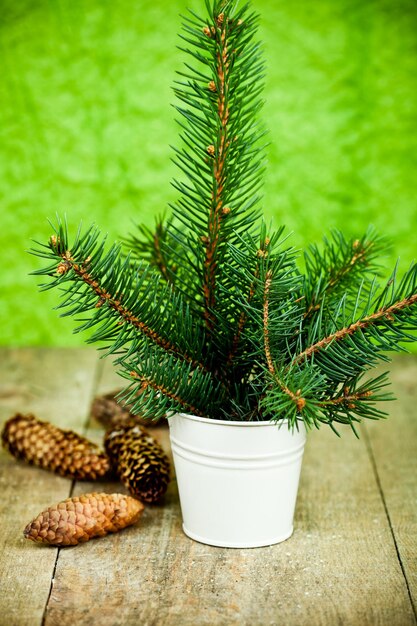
[
  {"x": 55, "y": 385},
  {"x": 352, "y": 559},
  {"x": 340, "y": 567},
  {"x": 393, "y": 448}
]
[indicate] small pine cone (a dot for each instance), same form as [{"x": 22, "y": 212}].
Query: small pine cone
[
  {"x": 78, "y": 519},
  {"x": 139, "y": 461},
  {"x": 61, "y": 451},
  {"x": 109, "y": 412},
  {"x": 116, "y": 438}
]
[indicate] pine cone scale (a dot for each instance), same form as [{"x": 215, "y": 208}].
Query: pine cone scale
[
  {"x": 78, "y": 519},
  {"x": 62, "y": 451},
  {"x": 139, "y": 461}
]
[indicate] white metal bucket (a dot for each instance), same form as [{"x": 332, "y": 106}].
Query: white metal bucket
[{"x": 237, "y": 481}]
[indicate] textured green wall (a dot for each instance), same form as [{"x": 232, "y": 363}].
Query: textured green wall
[{"x": 85, "y": 124}]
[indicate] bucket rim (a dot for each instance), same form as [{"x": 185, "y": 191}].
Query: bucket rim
[{"x": 234, "y": 423}]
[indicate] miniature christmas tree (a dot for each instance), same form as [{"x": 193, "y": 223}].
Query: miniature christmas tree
[{"x": 210, "y": 313}]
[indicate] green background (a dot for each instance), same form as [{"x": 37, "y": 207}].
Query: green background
[{"x": 85, "y": 125}]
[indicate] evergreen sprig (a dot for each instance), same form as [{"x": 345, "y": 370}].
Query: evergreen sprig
[
  {"x": 152, "y": 246},
  {"x": 211, "y": 312},
  {"x": 220, "y": 155},
  {"x": 341, "y": 266}
]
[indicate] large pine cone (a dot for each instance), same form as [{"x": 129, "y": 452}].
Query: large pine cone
[
  {"x": 61, "y": 451},
  {"x": 138, "y": 459},
  {"x": 78, "y": 519},
  {"x": 111, "y": 413}
]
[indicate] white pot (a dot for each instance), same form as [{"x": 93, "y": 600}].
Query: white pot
[{"x": 237, "y": 481}]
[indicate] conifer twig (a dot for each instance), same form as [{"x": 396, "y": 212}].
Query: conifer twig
[
  {"x": 267, "y": 347},
  {"x": 262, "y": 252},
  {"x": 80, "y": 269},
  {"x": 348, "y": 399},
  {"x": 359, "y": 254},
  {"x": 218, "y": 152},
  {"x": 387, "y": 313},
  {"x": 158, "y": 256},
  {"x": 146, "y": 382},
  {"x": 150, "y": 246},
  {"x": 298, "y": 400}
]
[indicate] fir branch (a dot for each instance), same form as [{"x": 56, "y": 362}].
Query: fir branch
[
  {"x": 152, "y": 246},
  {"x": 351, "y": 402},
  {"x": 322, "y": 402},
  {"x": 298, "y": 400},
  {"x": 125, "y": 302},
  {"x": 261, "y": 252},
  {"x": 217, "y": 209},
  {"x": 349, "y": 399},
  {"x": 146, "y": 382},
  {"x": 113, "y": 301},
  {"x": 342, "y": 266},
  {"x": 267, "y": 348},
  {"x": 296, "y": 397},
  {"x": 160, "y": 385},
  {"x": 220, "y": 157},
  {"x": 244, "y": 290},
  {"x": 386, "y": 314}
]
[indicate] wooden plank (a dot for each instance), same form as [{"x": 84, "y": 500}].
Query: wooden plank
[
  {"x": 56, "y": 386},
  {"x": 340, "y": 567},
  {"x": 393, "y": 446}
]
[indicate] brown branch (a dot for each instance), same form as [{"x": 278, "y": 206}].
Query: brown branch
[
  {"x": 104, "y": 296},
  {"x": 217, "y": 210},
  {"x": 348, "y": 398},
  {"x": 267, "y": 347},
  {"x": 169, "y": 394},
  {"x": 296, "y": 397},
  {"x": 385, "y": 313}
]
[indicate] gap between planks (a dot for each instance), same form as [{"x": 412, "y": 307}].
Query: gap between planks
[{"x": 384, "y": 502}]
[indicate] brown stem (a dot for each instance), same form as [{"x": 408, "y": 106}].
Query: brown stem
[
  {"x": 268, "y": 280},
  {"x": 386, "y": 313},
  {"x": 348, "y": 398},
  {"x": 217, "y": 209}
]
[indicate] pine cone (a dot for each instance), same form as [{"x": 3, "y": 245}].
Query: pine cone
[
  {"x": 116, "y": 438},
  {"x": 109, "y": 412},
  {"x": 139, "y": 461},
  {"x": 61, "y": 451},
  {"x": 78, "y": 519}
]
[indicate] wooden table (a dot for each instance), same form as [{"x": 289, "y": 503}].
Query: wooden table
[{"x": 352, "y": 558}]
